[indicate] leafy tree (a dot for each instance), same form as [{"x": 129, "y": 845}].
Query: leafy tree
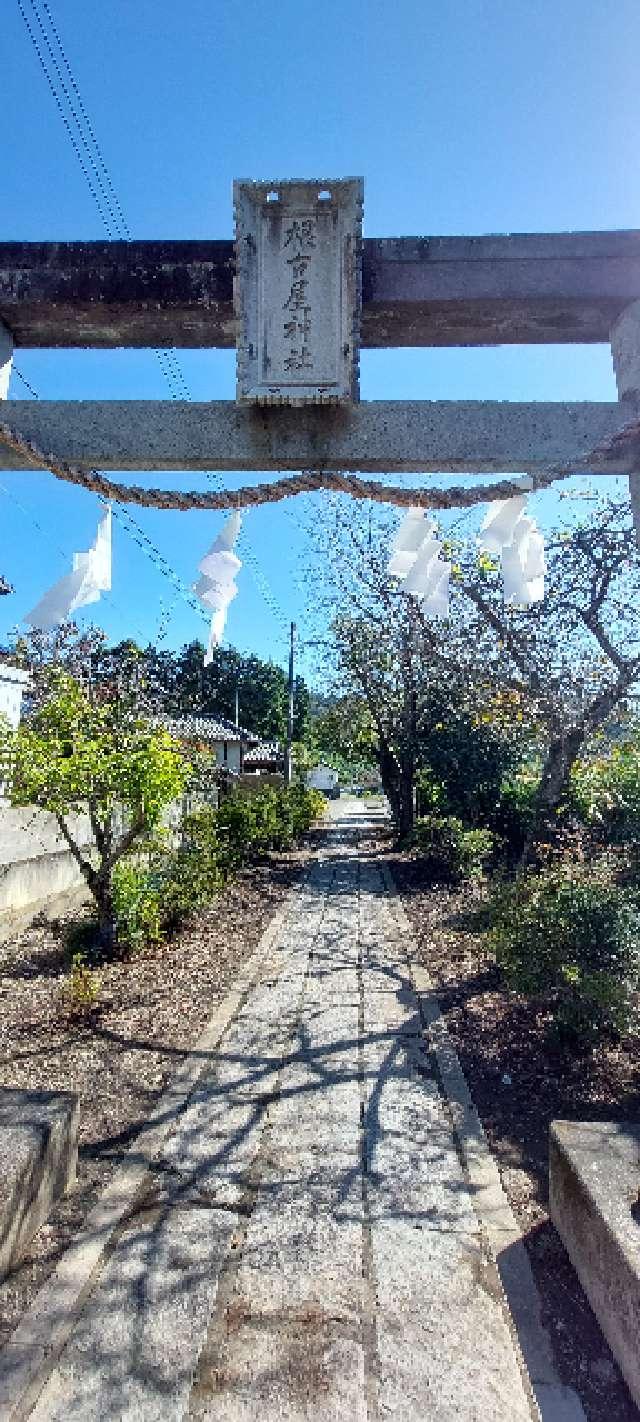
[
  {"x": 387, "y": 657},
  {"x": 66, "y": 647},
  {"x": 473, "y": 739},
  {"x": 573, "y": 657},
  {"x": 78, "y": 755},
  {"x": 183, "y": 684},
  {"x": 172, "y": 682},
  {"x": 384, "y": 657},
  {"x": 342, "y": 735},
  {"x": 570, "y": 660}
]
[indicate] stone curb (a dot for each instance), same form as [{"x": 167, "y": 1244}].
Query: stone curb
[
  {"x": 553, "y": 1401},
  {"x": 35, "y": 1346}
]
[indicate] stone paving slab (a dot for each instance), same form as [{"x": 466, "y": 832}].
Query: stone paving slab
[
  {"x": 302, "y": 1253},
  {"x": 304, "y": 1374},
  {"x": 442, "y": 1335},
  {"x": 134, "y": 1350},
  {"x": 288, "y": 1340}
]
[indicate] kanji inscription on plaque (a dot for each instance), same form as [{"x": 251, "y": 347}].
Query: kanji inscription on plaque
[{"x": 298, "y": 290}]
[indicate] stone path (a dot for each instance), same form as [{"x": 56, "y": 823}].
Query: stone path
[{"x": 307, "y": 1247}]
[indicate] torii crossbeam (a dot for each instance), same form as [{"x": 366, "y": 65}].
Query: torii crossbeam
[{"x": 436, "y": 291}]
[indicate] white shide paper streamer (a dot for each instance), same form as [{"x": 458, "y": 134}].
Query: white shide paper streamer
[
  {"x": 91, "y": 576},
  {"x": 415, "y": 561},
  {"x": 216, "y": 587}
]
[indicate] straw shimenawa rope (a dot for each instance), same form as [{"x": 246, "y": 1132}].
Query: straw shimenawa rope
[{"x": 310, "y": 480}]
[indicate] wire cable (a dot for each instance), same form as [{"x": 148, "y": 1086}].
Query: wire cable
[
  {"x": 103, "y": 191},
  {"x": 25, "y": 382},
  {"x": 86, "y": 120},
  {"x": 138, "y": 536},
  {"x": 88, "y": 152},
  {"x": 63, "y": 552}
]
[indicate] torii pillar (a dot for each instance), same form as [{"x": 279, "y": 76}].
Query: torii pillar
[
  {"x": 6, "y": 358},
  {"x": 625, "y": 349}
]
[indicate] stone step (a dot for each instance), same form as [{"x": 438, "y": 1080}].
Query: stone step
[
  {"x": 39, "y": 1153},
  {"x": 594, "y": 1194}
]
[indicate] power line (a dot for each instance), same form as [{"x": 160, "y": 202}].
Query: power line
[
  {"x": 60, "y": 108},
  {"x": 63, "y": 552},
  {"x": 114, "y": 220},
  {"x": 87, "y": 122},
  {"x": 114, "y": 225},
  {"x": 135, "y": 532},
  {"x": 25, "y": 382},
  {"x": 107, "y": 202},
  {"x": 88, "y": 152},
  {"x": 143, "y": 541}
]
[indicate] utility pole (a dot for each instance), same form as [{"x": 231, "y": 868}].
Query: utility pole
[
  {"x": 288, "y": 768},
  {"x": 237, "y": 704}
]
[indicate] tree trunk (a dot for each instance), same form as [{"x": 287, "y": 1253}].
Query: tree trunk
[
  {"x": 398, "y": 781},
  {"x": 106, "y": 916},
  {"x": 406, "y": 797},
  {"x": 388, "y": 768},
  {"x": 563, "y": 752},
  {"x": 561, "y": 756},
  {"x": 406, "y": 809},
  {"x": 100, "y": 880}
]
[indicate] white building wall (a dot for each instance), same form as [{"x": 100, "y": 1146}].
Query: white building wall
[
  {"x": 233, "y": 759},
  {"x": 12, "y": 685}
]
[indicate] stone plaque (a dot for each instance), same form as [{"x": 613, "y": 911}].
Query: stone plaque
[{"x": 298, "y": 291}]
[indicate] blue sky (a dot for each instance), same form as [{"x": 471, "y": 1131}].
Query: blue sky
[{"x": 466, "y": 116}]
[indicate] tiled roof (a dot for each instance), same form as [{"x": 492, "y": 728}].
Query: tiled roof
[
  {"x": 264, "y": 750},
  {"x": 204, "y": 728},
  {"x": 8, "y": 672}
]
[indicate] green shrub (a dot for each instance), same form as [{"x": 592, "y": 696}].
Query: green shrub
[
  {"x": 431, "y": 796},
  {"x": 450, "y": 852},
  {"x": 136, "y": 906},
  {"x": 514, "y": 812},
  {"x": 576, "y": 941},
  {"x": 178, "y": 882},
  {"x": 271, "y": 818},
  {"x": 80, "y": 992},
  {"x": 307, "y": 806},
  {"x": 478, "y": 846},
  {"x": 468, "y": 752},
  {"x": 605, "y": 792},
  {"x": 192, "y": 875},
  {"x": 297, "y": 809},
  {"x": 248, "y": 825}
]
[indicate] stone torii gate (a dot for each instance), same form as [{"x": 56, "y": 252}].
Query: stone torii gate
[{"x": 298, "y": 293}]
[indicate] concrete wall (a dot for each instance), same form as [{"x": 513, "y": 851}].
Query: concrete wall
[
  {"x": 593, "y": 1198},
  {"x": 37, "y": 871},
  {"x": 38, "y": 874}
]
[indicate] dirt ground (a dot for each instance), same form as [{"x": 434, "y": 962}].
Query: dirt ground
[
  {"x": 150, "y": 1010},
  {"x": 153, "y": 1007},
  {"x": 519, "y": 1084}
]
